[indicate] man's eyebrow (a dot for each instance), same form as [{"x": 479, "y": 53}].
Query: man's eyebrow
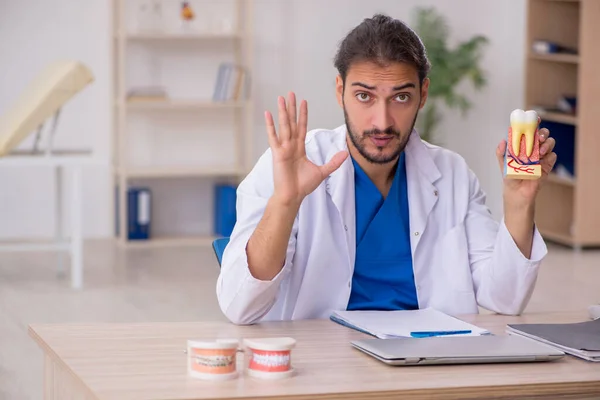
[
  {"x": 405, "y": 86},
  {"x": 400, "y": 87},
  {"x": 363, "y": 85}
]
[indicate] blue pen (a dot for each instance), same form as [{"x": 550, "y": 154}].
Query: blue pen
[{"x": 438, "y": 333}]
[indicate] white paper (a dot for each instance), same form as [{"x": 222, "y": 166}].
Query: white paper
[{"x": 392, "y": 324}]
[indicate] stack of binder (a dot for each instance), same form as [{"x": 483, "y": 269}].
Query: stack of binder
[{"x": 579, "y": 339}]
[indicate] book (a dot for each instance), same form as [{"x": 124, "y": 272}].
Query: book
[
  {"x": 581, "y": 339},
  {"x": 233, "y": 83},
  {"x": 406, "y": 323}
]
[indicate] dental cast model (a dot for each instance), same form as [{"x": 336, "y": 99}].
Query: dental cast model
[
  {"x": 212, "y": 360},
  {"x": 270, "y": 358},
  {"x": 522, "y": 157}
]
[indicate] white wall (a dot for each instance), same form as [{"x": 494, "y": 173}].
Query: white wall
[
  {"x": 289, "y": 55},
  {"x": 32, "y": 34},
  {"x": 311, "y": 72}
]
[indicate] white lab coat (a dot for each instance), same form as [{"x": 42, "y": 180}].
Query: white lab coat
[{"x": 462, "y": 257}]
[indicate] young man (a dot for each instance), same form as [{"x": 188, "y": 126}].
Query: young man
[{"x": 369, "y": 216}]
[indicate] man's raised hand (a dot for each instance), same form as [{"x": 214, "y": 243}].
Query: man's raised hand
[{"x": 295, "y": 176}]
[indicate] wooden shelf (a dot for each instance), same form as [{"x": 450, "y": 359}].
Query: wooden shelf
[
  {"x": 558, "y": 237},
  {"x": 168, "y": 36},
  {"x": 174, "y": 172},
  {"x": 182, "y": 104},
  {"x": 170, "y": 241},
  {"x": 554, "y": 178},
  {"x": 557, "y": 117},
  {"x": 559, "y": 180},
  {"x": 566, "y": 239},
  {"x": 556, "y": 57},
  {"x": 178, "y": 118},
  {"x": 566, "y": 208}
]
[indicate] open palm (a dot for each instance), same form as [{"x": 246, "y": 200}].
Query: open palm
[{"x": 295, "y": 176}]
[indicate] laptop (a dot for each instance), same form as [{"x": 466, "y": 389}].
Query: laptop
[{"x": 439, "y": 350}]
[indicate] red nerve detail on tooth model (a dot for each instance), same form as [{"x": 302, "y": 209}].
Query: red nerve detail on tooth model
[{"x": 522, "y": 156}]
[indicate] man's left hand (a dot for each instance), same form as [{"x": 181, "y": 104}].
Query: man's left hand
[{"x": 520, "y": 193}]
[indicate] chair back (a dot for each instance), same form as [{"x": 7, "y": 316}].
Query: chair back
[{"x": 219, "y": 247}]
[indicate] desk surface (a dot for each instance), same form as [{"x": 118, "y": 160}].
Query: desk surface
[{"x": 147, "y": 361}]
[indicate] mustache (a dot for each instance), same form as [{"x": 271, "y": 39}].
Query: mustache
[{"x": 388, "y": 131}]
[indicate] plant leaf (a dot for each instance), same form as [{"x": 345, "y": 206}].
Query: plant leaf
[{"x": 449, "y": 67}]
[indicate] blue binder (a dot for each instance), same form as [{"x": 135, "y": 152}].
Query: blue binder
[
  {"x": 139, "y": 212},
  {"x": 564, "y": 134},
  {"x": 224, "y": 210}
]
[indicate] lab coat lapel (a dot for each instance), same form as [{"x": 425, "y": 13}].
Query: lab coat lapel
[
  {"x": 340, "y": 186},
  {"x": 421, "y": 173}
]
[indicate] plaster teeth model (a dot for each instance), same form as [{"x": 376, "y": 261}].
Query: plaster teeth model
[
  {"x": 212, "y": 359},
  {"x": 523, "y": 123},
  {"x": 522, "y": 156},
  {"x": 270, "y": 358}
]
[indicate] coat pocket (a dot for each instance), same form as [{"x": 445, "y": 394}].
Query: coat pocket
[{"x": 454, "y": 257}]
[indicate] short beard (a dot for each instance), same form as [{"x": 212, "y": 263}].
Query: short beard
[{"x": 378, "y": 159}]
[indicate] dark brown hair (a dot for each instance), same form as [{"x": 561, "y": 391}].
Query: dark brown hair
[{"x": 383, "y": 40}]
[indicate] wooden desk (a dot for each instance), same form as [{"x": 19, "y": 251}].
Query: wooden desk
[{"x": 147, "y": 361}]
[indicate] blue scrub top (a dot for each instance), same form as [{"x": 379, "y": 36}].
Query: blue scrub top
[{"x": 383, "y": 273}]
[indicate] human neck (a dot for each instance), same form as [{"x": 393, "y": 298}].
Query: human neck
[{"x": 382, "y": 175}]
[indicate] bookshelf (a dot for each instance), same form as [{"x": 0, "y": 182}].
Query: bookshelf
[
  {"x": 566, "y": 205},
  {"x": 172, "y": 133},
  {"x": 565, "y": 58},
  {"x": 182, "y": 104}
]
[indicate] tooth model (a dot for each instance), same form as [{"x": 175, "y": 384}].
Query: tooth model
[{"x": 522, "y": 158}]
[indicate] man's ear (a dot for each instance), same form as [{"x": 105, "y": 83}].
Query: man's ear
[
  {"x": 339, "y": 90},
  {"x": 424, "y": 92}
]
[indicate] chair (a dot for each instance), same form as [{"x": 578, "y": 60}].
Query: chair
[{"x": 219, "y": 247}]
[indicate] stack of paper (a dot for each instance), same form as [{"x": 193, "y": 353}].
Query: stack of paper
[
  {"x": 410, "y": 323},
  {"x": 580, "y": 339}
]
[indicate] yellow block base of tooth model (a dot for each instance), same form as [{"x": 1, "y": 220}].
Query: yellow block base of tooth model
[{"x": 514, "y": 170}]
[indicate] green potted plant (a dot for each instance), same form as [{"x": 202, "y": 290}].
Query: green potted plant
[{"x": 448, "y": 68}]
